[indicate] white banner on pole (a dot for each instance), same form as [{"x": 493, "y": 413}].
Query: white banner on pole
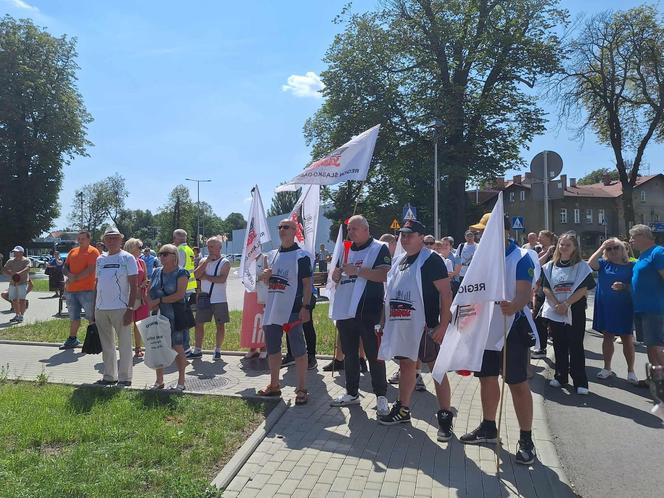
[
  {"x": 308, "y": 208},
  {"x": 257, "y": 233},
  {"x": 337, "y": 254}
]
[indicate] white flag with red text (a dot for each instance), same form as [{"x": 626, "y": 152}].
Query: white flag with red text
[
  {"x": 483, "y": 285},
  {"x": 257, "y": 233},
  {"x": 307, "y": 208}
]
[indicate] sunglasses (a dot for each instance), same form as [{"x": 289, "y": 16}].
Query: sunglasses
[
  {"x": 613, "y": 248},
  {"x": 164, "y": 254},
  {"x": 284, "y": 227}
]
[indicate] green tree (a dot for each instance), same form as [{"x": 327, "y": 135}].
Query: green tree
[
  {"x": 466, "y": 62},
  {"x": 42, "y": 126},
  {"x": 234, "y": 221},
  {"x": 178, "y": 212},
  {"x": 102, "y": 201},
  {"x": 597, "y": 175},
  {"x": 283, "y": 202},
  {"x": 615, "y": 73}
]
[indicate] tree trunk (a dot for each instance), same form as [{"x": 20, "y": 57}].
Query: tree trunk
[{"x": 628, "y": 206}]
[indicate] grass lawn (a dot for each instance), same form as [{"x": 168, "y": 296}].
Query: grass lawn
[
  {"x": 89, "y": 442},
  {"x": 57, "y": 330},
  {"x": 40, "y": 285}
]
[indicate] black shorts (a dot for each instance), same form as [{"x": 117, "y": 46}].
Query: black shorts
[{"x": 517, "y": 355}]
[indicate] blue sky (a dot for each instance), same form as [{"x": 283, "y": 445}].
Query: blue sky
[{"x": 219, "y": 90}]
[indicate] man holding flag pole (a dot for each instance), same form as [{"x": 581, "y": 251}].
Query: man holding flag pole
[{"x": 492, "y": 303}]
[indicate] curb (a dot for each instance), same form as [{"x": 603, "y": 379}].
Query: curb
[{"x": 231, "y": 469}]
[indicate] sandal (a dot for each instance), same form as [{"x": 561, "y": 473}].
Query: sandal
[
  {"x": 156, "y": 387},
  {"x": 138, "y": 353},
  {"x": 270, "y": 391},
  {"x": 179, "y": 388},
  {"x": 301, "y": 397}
]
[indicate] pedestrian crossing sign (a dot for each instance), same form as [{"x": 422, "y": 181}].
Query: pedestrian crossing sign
[
  {"x": 409, "y": 212},
  {"x": 395, "y": 225},
  {"x": 517, "y": 223}
]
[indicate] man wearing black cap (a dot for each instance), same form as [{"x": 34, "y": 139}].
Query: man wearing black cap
[
  {"x": 357, "y": 307},
  {"x": 417, "y": 312}
]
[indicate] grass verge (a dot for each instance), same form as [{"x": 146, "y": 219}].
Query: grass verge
[
  {"x": 88, "y": 442},
  {"x": 57, "y": 330}
]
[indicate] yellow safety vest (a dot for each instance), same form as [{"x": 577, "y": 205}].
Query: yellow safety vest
[{"x": 189, "y": 265}]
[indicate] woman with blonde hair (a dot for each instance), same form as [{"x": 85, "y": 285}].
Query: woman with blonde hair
[
  {"x": 141, "y": 312},
  {"x": 565, "y": 281},
  {"x": 613, "y": 304}
]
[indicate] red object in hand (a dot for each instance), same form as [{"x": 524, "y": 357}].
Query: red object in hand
[
  {"x": 16, "y": 277},
  {"x": 347, "y": 244},
  {"x": 287, "y": 327},
  {"x": 464, "y": 373}
]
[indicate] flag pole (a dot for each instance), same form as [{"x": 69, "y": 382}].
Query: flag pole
[{"x": 502, "y": 396}]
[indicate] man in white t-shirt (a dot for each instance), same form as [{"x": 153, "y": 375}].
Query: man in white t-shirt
[
  {"x": 212, "y": 272},
  {"x": 465, "y": 252},
  {"x": 115, "y": 302}
]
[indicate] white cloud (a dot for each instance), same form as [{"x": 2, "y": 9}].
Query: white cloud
[
  {"x": 308, "y": 85},
  {"x": 21, "y": 4}
]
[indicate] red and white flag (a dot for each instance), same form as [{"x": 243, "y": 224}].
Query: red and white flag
[
  {"x": 349, "y": 162},
  {"x": 257, "y": 233},
  {"x": 307, "y": 208}
]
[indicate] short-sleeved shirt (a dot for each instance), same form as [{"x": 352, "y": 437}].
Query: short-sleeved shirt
[
  {"x": 17, "y": 265},
  {"x": 77, "y": 261},
  {"x": 165, "y": 284},
  {"x": 371, "y": 302},
  {"x": 464, "y": 254},
  {"x": 150, "y": 263},
  {"x": 433, "y": 269},
  {"x": 647, "y": 283},
  {"x": 112, "y": 273}
]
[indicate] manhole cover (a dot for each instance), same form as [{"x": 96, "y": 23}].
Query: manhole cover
[{"x": 203, "y": 384}]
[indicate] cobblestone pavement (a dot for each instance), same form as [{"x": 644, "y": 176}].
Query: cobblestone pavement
[{"x": 317, "y": 450}]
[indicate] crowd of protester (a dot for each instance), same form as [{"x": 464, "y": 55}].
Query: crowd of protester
[{"x": 118, "y": 283}]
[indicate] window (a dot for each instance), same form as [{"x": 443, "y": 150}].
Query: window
[
  {"x": 600, "y": 216},
  {"x": 577, "y": 216},
  {"x": 563, "y": 215},
  {"x": 589, "y": 216},
  {"x": 511, "y": 196},
  {"x": 643, "y": 196},
  {"x": 522, "y": 195}
]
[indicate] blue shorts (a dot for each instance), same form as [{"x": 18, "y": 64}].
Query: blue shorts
[
  {"x": 78, "y": 300},
  {"x": 274, "y": 334},
  {"x": 177, "y": 338},
  {"x": 650, "y": 326}
]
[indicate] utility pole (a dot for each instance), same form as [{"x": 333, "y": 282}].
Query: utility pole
[
  {"x": 198, "y": 205},
  {"x": 80, "y": 199},
  {"x": 435, "y": 126}
]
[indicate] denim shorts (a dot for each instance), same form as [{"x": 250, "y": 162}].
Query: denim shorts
[
  {"x": 78, "y": 300},
  {"x": 17, "y": 291},
  {"x": 274, "y": 334},
  {"x": 650, "y": 326},
  {"x": 177, "y": 337}
]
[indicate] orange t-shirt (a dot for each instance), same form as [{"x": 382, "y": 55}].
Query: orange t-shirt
[{"x": 77, "y": 261}]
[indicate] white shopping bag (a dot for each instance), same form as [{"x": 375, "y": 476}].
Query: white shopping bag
[{"x": 156, "y": 333}]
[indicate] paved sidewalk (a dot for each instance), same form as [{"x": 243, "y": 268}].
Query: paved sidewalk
[{"x": 316, "y": 450}]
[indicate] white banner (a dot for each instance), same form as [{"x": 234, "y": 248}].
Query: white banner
[
  {"x": 484, "y": 283},
  {"x": 307, "y": 207},
  {"x": 257, "y": 233},
  {"x": 337, "y": 254},
  {"x": 349, "y": 162}
]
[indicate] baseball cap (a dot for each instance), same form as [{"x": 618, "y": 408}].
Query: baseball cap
[
  {"x": 411, "y": 226},
  {"x": 19, "y": 249},
  {"x": 112, "y": 231},
  {"x": 482, "y": 223}
]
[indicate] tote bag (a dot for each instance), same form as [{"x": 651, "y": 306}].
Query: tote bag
[{"x": 156, "y": 333}]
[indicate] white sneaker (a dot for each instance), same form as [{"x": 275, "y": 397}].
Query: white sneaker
[
  {"x": 605, "y": 374},
  {"x": 395, "y": 378},
  {"x": 382, "y": 408},
  {"x": 582, "y": 390},
  {"x": 632, "y": 378},
  {"x": 346, "y": 400},
  {"x": 555, "y": 383}
]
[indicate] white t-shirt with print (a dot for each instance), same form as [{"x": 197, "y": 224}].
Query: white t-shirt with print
[
  {"x": 112, "y": 282},
  {"x": 219, "y": 290}
]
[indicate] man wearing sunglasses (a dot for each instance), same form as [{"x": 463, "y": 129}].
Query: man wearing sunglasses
[{"x": 287, "y": 307}]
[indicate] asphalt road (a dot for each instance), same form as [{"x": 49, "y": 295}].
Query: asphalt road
[{"x": 608, "y": 442}]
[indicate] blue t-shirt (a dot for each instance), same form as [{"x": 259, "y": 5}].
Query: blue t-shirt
[
  {"x": 165, "y": 284},
  {"x": 150, "y": 263},
  {"x": 525, "y": 268},
  {"x": 647, "y": 283}
]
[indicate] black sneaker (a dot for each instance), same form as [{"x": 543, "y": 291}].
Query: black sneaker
[
  {"x": 538, "y": 355},
  {"x": 336, "y": 365},
  {"x": 398, "y": 415},
  {"x": 312, "y": 364},
  {"x": 363, "y": 365},
  {"x": 124, "y": 383},
  {"x": 287, "y": 361},
  {"x": 444, "y": 425},
  {"x": 104, "y": 382},
  {"x": 71, "y": 343},
  {"x": 194, "y": 355},
  {"x": 482, "y": 434},
  {"x": 525, "y": 453}
]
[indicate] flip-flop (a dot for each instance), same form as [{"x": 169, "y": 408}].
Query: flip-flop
[
  {"x": 156, "y": 387},
  {"x": 270, "y": 392}
]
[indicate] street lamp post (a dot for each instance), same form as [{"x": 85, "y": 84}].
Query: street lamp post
[
  {"x": 80, "y": 198},
  {"x": 198, "y": 206},
  {"x": 435, "y": 126}
]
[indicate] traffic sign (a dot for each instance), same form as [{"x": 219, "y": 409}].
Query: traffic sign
[
  {"x": 409, "y": 212},
  {"x": 517, "y": 223},
  {"x": 554, "y": 165},
  {"x": 395, "y": 225}
]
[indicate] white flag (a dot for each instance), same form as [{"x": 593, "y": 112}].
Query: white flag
[
  {"x": 337, "y": 254},
  {"x": 257, "y": 233},
  {"x": 308, "y": 207},
  {"x": 349, "y": 162},
  {"x": 484, "y": 283}
]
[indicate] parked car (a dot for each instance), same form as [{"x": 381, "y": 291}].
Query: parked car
[{"x": 37, "y": 262}]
